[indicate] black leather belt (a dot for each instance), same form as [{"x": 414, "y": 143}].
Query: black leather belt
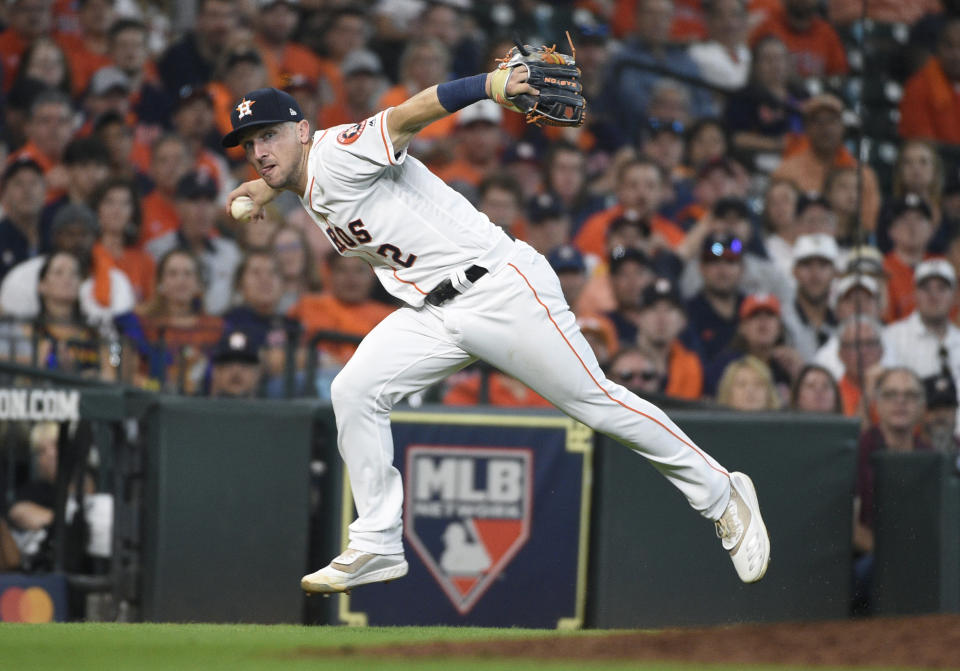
[{"x": 445, "y": 290}]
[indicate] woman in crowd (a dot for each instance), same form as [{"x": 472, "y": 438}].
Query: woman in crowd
[
  {"x": 298, "y": 272},
  {"x": 61, "y": 336},
  {"x": 171, "y": 331},
  {"x": 815, "y": 390},
  {"x": 780, "y": 223},
  {"x": 747, "y": 384},
  {"x": 840, "y": 190},
  {"x": 706, "y": 141},
  {"x": 762, "y": 115},
  {"x": 919, "y": 170},
  {"x": 117, "y": 206}
]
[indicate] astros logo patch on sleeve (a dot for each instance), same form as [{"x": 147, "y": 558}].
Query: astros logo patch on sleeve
[
  {"x": 243, "y": 109},
  {"x": 351, "y": 134}
]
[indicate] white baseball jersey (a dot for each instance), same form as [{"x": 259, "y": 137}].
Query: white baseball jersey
[{"x": 388, "y": 208}]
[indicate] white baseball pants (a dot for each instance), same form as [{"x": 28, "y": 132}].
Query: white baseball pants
[{"x": 516, "y": 319}]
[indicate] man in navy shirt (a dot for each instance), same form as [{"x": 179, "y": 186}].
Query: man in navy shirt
[
  {"x": 713, "y": 312},
  {"x": 22, "y": 192}
]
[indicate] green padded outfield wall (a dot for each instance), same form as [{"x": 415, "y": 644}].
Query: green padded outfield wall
[
  {"x": 656, "y": 562},
  {"x": 917, "y": 533},
  {"x": 226, "y": 510}
]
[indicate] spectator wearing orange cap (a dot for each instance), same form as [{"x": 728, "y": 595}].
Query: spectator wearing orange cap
[
  {"x": 660, "y": 321},
  {"x": 930, "y": 108},
  {"x": 761, "y": 334},
  {"x": 821, "y": 150},
  {"x": 911, "y": 230},
  {"x": 812, "y": 41}
]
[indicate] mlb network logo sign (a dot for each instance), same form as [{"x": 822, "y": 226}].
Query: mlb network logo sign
[{"x": 467, "y": 514}]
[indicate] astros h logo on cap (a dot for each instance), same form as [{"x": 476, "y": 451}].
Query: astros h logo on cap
[
  {"x": 243, "y": 109},
  {"x": 261, "y": 108}
]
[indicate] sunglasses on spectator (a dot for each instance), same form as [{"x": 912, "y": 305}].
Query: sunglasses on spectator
[
  {"x": 656, "y": 125},
  {"x": 648, "y": 375}
]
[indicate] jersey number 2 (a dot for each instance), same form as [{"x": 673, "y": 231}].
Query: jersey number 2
[{"x": 359, "y": 235}]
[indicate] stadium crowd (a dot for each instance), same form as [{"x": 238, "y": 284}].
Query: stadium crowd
[{"x": 711, "y": 224}]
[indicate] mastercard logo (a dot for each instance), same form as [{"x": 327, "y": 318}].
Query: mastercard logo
[{"x": 32, "y": 604}]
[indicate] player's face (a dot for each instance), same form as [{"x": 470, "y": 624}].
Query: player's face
[{"x": 275, "y": 152}]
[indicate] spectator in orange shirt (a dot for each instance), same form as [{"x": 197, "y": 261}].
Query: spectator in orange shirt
[
  {"x": 117, "y": 206},
  {"x": 823, "y": 150},
  {"x": 478, "y": 142},
  {"x": 127, "y": 47},
  {"x": 911, "y": 230},
  {"x": 861, "y": 351},
  {"x": 26, "y": 21},
  {"x": 813, "y": 43},
  {"x": 930, "y": 107},
  {"x": 347, "y": 29},
  {"x": 467, "y": 388},
  {"x": 48, "y": 131},
  {"x": 659, "y": 323},
  {"x": 639, "y": 188},
  {"x": 88, "y": 48},
  {"x": 170, "y": 162},
  {"x": 362, "y": 80},
  {"x": 283, "y": 58},
  {"x": 424, "y": 62},
  {"x": 193, "y": 121},
  {"x": 346, "y": 307}
]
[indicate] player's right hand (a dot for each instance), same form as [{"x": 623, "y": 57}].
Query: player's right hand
[{"x": 257, "y": 190}]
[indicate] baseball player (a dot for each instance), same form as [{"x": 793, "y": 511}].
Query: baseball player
[{"x": 471, "y": 292}]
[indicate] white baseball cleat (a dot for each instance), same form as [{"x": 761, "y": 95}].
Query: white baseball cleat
[
  {"x": 742, "y": 532},
  {"x": 353, "y": 568}
]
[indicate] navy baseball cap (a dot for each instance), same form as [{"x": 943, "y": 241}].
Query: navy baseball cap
[
  {"x": 566, "y": 258},
  {"x": 662, "y": 289},
  {"x": 261, "y": 108}
]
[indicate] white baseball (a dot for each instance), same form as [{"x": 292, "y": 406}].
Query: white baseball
[{"x": 241, "y": 208}]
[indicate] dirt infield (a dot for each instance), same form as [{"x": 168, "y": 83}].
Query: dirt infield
[{"x": 927, "y": 642}]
